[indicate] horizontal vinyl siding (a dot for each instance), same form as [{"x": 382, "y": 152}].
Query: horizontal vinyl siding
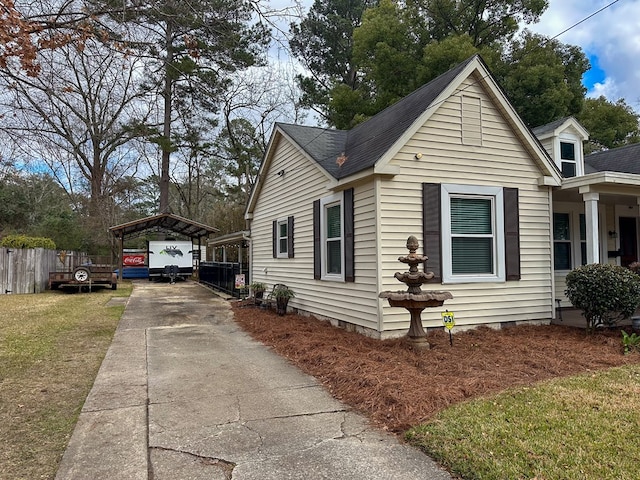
[
  {"x": 561, "y": 286},
  {"x": 293, "y": 194},
  {"x": 500, "y": 161},
  {"x": 547, "y": 143}
]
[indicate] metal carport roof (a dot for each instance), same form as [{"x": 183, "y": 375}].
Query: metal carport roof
[{"x": 163, "y": 222}]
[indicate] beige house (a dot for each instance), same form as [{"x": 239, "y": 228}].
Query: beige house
[
  {"x": 595, "y": 210},
  {"x": 455, "y": 166}
]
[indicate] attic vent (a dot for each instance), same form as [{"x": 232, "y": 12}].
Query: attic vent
[
  {"x": 471, "y": 120},
  {"x": 341, "y": 159}
]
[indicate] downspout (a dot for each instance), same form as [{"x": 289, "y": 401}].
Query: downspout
[{"x": 377, "y": 247}]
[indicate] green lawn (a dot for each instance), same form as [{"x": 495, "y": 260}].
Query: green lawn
[
  {"x": 52, "y": 344},
  {"x": 585, "y": 427},
  {"x": 51, "y": 347}
]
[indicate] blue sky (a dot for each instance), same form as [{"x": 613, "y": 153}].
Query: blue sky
[{"x": 610, "y": 39}]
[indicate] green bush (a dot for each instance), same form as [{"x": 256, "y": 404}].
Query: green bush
[
  {"x": 605, "y": 293},
  {"x": 631, "y": 343},
  {"x": 22, "y": 241}
]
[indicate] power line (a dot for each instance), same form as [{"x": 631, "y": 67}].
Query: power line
[
  {"x": 584, "y": 20},
  {"x": 460, "y": 90}
]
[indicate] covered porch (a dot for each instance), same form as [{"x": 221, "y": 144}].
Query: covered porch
[
  {"x": 228, "y": 268},
  {"x": 595, "y": 220}
]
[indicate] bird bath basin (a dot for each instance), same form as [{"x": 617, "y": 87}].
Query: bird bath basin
[{"x": 414, "y": 299}]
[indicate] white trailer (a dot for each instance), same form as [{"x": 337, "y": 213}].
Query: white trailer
[{"x": 170, "y": 259}]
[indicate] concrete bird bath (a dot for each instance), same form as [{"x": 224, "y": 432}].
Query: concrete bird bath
[{"x": 414, "y": 299}]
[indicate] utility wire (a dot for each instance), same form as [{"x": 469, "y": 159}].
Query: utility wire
[
  {"x": 584, "y": 20},
  {"x": 433, "y": 105}
]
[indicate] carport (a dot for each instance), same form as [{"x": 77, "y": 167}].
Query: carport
[{"x": 163, "y": 223}]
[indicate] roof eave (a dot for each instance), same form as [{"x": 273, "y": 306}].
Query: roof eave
[
  {"x": 276, "y": 135},
  {"x": 590, "y": 180},
  {"x": 387, "y": 171},
  {"x": 550, "y": 173},
  {"x": 168, "y": 221}
]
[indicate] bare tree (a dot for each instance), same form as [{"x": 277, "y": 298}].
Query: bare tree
[{"x": 76, "y": 119}]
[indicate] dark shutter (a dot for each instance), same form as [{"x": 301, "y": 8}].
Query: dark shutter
[
  {"x": 317, "y": 253},
  {"x": 511, "y": 234},
  {"x": 349, "y": 244},
  {"x": 431, "y": 234},
  {"x": 274, "y": 239},
  {"x": 290, "y": 237}
]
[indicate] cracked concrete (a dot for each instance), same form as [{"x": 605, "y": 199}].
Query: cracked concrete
[
  {"x": 165, "y": 463},
  {"x": 184, "y": 394}
]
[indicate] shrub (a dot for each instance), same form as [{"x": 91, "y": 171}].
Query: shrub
[
  {"x": 22, "y": 241},
  {"x": 605, "y": 293},
  {"x": 258, "y": 286},
  {"x": 631, "y": 343}
]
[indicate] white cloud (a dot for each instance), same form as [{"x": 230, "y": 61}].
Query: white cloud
[
  {"x": 612, "y": 35},
  {"x": 608, "y": 89}
]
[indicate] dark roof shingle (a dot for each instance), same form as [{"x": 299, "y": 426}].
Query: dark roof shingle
[
  {"x": 622, "y": 159},
  {"x": 366, "y": 143},
  {"x": 549, "y": 127}
]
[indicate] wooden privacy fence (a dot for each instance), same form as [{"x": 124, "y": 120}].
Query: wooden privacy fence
[{"x": 26, "y": 270}]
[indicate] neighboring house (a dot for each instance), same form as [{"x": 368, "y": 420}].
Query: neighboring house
[{"x": 453, "y": 164}]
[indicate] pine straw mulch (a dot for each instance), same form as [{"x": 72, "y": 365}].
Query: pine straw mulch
[{"x": 398, "y": 387}]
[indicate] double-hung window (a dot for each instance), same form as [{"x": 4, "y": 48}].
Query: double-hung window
[
  {"x": 568, "y": 159},
  {"x": 583, "y": 239},
  {"x": 333, "y": 237},
  {"x": 332, "y": 232},
  {"x": 562, "y": 241},
  {"x": 283, "y": 238},
  {"x": 473, "y": 234}
]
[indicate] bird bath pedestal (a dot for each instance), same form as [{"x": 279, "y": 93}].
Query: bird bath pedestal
[{"x": 414, "y": 299}]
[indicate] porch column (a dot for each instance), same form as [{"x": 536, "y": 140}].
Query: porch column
[{"x": 592, "y": 228}]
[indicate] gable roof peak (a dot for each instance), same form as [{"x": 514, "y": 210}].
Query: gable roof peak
[
  {"x": 370, "y": 140},
  {"x": 553, "y": 128}
]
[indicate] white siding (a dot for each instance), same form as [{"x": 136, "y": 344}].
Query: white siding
[
  {"x": 500, "y": 161},
  {"x": 293, "y": 194}
]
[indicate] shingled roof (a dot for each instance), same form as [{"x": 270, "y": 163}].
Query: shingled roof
[
  {"x": 549, "y": 127},
  {"x": 324, "y": 145},
  {"x": 622, "y": 159},
  {"x": 366, "y": 143}
]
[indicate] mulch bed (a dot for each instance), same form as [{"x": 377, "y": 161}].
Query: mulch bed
[{"x": 397, "y": 386}]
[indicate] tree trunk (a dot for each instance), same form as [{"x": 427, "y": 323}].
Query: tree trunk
[{"x": 166, "y": 133}]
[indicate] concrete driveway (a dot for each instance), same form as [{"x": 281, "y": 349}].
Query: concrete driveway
[{"x": 183, "y": 393}]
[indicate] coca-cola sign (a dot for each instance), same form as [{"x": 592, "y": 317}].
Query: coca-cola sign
[{"x": 133, "y": 260}]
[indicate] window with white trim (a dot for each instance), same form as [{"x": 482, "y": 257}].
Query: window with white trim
[
  {"x": 332, "y": 237},
  {"x": 583, "y": 239},
  {"x": 568, "y": 163},
  {"x": 569, "y": 239},
  {"x": 562, "y": 241},
  {"x": 283, "y": 238},
  {"x": 472, "y": 234}
]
